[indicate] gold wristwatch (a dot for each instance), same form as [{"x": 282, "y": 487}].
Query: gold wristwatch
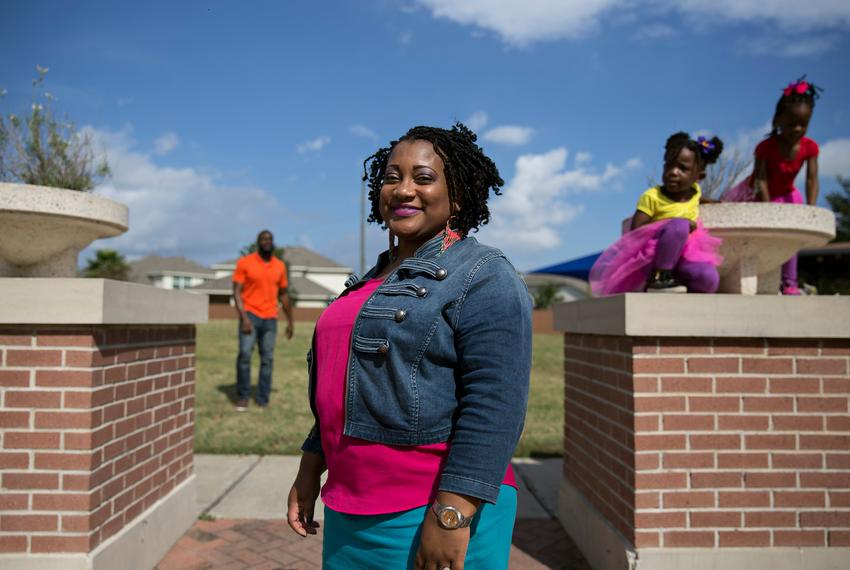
[{"x": 450, "y": 518}]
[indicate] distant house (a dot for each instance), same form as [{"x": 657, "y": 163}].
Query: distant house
[
  {"x": 314, "y": 280},
  {"x": 568, "y": 288},
  {"x": 169, "y": 272}
]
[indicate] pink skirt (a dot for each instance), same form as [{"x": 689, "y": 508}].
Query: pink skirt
[
  {"x": 627, "y": 265},
  {"x": 743, "y": 191}
]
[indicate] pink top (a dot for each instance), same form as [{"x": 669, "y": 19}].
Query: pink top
[
  {"x": 781, "y": 171},
  {"x": 366, "y": 478}
]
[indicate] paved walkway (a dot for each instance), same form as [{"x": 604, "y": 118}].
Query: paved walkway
[{"x": 243, "y": 499}]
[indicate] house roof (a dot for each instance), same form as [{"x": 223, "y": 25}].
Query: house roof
[
  {"x": 142, "y": 269},
  {"x": 538, "y": 279},
  {"x": 304, "y": 288},
  {"x": 296, "y": 255}
]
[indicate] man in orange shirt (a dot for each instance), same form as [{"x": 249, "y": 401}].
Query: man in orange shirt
[{"x": 259, "y": 285}]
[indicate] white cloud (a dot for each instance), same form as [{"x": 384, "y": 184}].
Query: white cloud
[
  {"x": 477, "y": 121},
  {"x": 180, "y": 211},
  {"x": 654, "y": 31},
  {"x": 509, "y": 134},
  {"x": 314, "y": 145},
  {"x": 405, "y": 37},
  {"x": 787, "y": 46},
  {"x": 523, "y": 23},
  {"x": 363, "y": 131},
  {"x": 834, "y": 159},
  {"x": 166, "y": 143},
  {"x": 533, "y": 210},
  {"x": 583, "y": 157},
  {"x": 789, "y": 14}
]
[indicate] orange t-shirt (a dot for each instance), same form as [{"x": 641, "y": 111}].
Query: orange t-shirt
[{"x": 260, "y": 281}]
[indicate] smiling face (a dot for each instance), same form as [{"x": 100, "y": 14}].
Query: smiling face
[
  {"x": 794, "y": 122},
  {"x": 681, "y": 172},
  {"x": 414, "y": 201}
]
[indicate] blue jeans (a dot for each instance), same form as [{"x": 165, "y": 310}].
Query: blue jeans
[{"x": 263, "y": 333}]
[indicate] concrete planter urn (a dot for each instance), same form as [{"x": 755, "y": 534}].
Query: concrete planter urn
[
  {"x": 759, "y": 237},
  {"x": 43, "y": 230}
]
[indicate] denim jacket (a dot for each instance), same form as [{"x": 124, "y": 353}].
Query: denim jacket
[{"x": 441, "y": 351}]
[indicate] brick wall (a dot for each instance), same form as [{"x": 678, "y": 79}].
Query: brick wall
[
  {"x": 96, "y": 425},
  {"x": 712, "y": 442}
]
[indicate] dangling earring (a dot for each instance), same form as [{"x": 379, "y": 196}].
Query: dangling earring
[
  {"x": 449, "y": 236},
  {"x": 393, "y": 249}
]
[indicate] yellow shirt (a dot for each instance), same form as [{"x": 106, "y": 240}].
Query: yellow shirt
[{"x": 657, "y": 206}]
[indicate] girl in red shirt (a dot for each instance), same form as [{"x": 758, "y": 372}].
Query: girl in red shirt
[{"x": 779, "y": 158}]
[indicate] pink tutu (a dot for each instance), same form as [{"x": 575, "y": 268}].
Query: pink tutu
[
  {"x": 626, "y": 266},
  {"x": 743, "y": 191}
]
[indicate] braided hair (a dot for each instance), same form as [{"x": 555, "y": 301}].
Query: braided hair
[
  {"x": 801, "y": 91},
  {"x": 706, "y": 151},
  {"x": 470, "y": 174}
]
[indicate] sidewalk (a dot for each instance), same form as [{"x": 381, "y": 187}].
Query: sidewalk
[{"x": 243, "y": 501}]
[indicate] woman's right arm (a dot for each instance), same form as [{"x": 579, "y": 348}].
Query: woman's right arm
[{"x": 304, "y": 492}]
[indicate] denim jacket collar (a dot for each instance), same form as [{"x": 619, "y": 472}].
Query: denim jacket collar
[{"x": 428, "y": 250}]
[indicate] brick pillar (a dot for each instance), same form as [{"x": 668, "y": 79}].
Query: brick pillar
[
  {"x": 97, "y": 426},
  {"x": 702, "y": 447},
  {"x": 96, "y": 443}
]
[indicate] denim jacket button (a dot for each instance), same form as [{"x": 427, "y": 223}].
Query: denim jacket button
[
  {"x": 421, "y": 292},
  {"x": 384, "y": 348},
  {"x": 441, "y": 274},
  {"x": 400, "y": 315}
]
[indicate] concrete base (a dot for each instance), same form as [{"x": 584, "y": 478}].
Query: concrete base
[
  {"x": 76, "y": 301},
  {"x": 606, "y": 549},
  {"x": 602, "y": 546},
  {"x": 138, "y": 546},
  {"x": 737, "y": 316},
  {"x": 744, "y": 559}
]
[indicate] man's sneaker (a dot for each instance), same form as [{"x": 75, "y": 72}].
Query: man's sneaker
[
  {"x": 263, "y": 404},
  {"x": 664, "y": 282},
  {"x": 242, "y": 405}
]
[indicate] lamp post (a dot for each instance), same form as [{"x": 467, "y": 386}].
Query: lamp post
[{"x": 362, "y": 228}]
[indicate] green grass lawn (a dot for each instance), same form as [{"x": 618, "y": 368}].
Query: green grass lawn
[{"x": 280, "y": 428}]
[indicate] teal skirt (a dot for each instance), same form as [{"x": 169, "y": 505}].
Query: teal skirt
[{"x": 382, "y": 542}]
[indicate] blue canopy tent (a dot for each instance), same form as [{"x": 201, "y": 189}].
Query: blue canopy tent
[{"x": 578, "y": 268}]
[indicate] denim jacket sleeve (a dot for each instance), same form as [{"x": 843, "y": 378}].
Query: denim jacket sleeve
[{"x": 492, "y": 325}]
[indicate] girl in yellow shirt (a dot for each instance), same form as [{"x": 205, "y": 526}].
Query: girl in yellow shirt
[{"x": 667, "y": 250}]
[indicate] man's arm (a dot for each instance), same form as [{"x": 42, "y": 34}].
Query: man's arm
[
  {"x": 283, "y": 299},
  {"x": 245, "y": 322}
]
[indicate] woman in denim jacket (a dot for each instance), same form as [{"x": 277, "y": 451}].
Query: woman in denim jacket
[{"x": 419, "y": 375}]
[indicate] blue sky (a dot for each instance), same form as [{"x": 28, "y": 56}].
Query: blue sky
[{"x": 222, "y": 118}]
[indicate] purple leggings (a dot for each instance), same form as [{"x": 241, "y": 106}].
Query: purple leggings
[
  {"x": 789, "y": 268},
  {"x": 697, "y": 277}
]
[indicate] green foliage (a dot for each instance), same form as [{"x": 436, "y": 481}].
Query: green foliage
[
  {"x": 107, "y": 264},
  {"x": 840, "y": 204},
  {"x": 546, "y": 295},
  {"x": 37, "y": 148}
]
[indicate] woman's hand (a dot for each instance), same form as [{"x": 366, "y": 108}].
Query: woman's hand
[
  {"x": 440, "y": 548},
  {"x": 303, "y": 495}
]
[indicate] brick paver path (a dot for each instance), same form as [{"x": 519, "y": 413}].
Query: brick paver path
[{"x": 231, "y": 544}]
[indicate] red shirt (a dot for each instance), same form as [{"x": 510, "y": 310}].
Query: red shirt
[
  {"x": 781, "y": 172},
  {"x": 260, "y": 281}
]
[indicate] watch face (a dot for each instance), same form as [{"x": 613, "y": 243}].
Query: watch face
[{"x": 449, "y": 518}]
